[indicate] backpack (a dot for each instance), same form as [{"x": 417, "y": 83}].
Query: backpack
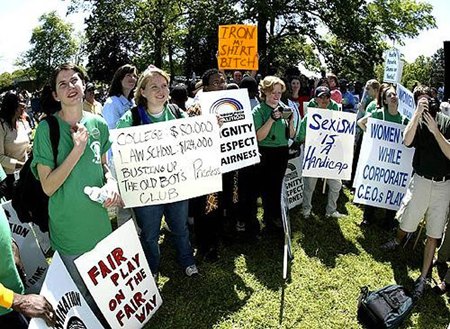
[
  {"x": 28, "y": 199},
  {"x": 387, "y": 307},
  {"x": 136, "y": 119}
]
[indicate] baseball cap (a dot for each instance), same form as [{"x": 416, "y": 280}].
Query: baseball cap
[
  {"x": 90, "y": 87},
  {"x": 322, "y": 91}
]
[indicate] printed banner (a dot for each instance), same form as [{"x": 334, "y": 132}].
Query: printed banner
[
  {"x": 406, "y": 104},
  {"x": 384, "y": 166},
  {"x": 392, "y": 66},
  {"x": 119, "y": 279},
  {"x": 238, "y": 47},
  {"x": 294, "y": 182},
  {"x": 71, "y": 309},
  {"x": 167, "y": 161},
  {"x": 330, "y": 136},
  {"x": 34, "y": 262},
  {"x": 238, "y": 144}
]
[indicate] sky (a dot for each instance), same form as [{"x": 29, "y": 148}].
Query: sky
[{"x": 19, "y": 17}]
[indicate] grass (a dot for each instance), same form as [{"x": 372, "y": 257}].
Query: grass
[{"x": 332, "y": 260}]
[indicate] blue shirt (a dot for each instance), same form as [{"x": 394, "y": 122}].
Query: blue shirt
[{"x": 114, "y": 108}]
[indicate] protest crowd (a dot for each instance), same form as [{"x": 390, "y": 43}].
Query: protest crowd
[{"x": 283, "y": 130}]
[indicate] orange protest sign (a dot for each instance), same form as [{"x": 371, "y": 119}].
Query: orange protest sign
[{"x": 238, "y": 47}]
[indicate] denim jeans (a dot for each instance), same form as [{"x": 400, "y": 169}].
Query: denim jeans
[
  {"x": 334, "y": 186},
  {"x": 149, "y": 220}
]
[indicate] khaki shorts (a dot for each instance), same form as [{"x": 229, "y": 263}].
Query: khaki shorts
[{"x": 427, "y": 198}]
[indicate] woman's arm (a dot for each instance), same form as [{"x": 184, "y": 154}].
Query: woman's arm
[{"x": 52, "y": 179}]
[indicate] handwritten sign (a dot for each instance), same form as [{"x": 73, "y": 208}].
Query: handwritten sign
[
  {"x": 238, "y": 144},
  {"x": 167, "y": 161},
  {"x": 34, "y": 262},
  {"x": 238, "y": 47},
  {"x": 294, "y": 182},
  {"x": 71, "y": 309},
  {"x": 329, "y": 143},
  {"x": 392, "y": 66},
  {"x": 406, "y": 104},
  {"x": 384, "y": 166},
  {"x": 119, "y": 279}
]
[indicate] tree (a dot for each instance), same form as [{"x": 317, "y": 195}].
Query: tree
[
  {"x": 417, "y": 71},
  {"x": 350, "y": 35},
  {"x": 437, "y": 68},
  {"x": 51, "y": 44}
]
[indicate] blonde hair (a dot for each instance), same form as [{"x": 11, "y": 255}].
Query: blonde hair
[
  {"x": 148, "y": 74},
  {"x": 268, "y": 83}
]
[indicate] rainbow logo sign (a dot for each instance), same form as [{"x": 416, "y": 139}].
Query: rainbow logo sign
[
  {"x": 225, "y": 105},
  {"x": 229, "y": 109}
]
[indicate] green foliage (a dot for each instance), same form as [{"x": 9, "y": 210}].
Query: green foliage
[
  {"x": 417, "y": 71},
  {"x": 51, "y": 44},
  {"x": 332, "y": 260},
  {"x": 349, "y": 34},
  {"x": 437, "y": 68},
  {"x": 6, "y": 80}
]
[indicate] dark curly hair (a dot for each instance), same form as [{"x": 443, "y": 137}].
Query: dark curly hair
[{"x": 10, "y": 104}]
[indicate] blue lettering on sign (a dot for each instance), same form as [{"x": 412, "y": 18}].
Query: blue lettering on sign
[
  {"x": 386, "y": 176},
  {"x": 389, "y": 155},
  {"x": 385, "y": 133},
  {"x": 312, "y": 161},
  {"x": 369, "y": 193},
  {"x": 405, "y": 97},
  {"x": 339, "y": 125}
]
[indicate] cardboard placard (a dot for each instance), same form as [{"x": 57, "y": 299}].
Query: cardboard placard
[
  {"x": 71, "y": 309},
  {"x": 330, "y": 136},
  {"x": 168, "y": 161},
  {"x": 238, "y": 47},
  {"x": 119, "y": 279},
  {"x": 384, "y": 166},
  {"x": 238, "y": 143},
  {"x": 33, "y": 259}
]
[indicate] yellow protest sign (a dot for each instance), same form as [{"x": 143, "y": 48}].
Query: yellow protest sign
[{"x": 238, "y": 47}]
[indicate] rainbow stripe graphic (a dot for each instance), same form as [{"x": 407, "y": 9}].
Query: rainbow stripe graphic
[{"x": 224, "y": 105}]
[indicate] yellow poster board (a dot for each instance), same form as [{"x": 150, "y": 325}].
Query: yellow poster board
[{"x": 238, "y": 47}]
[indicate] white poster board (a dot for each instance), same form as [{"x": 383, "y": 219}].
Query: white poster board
[
  {"x": 119, "y": 279},
  {"x": 384, "y": 166},
  {"x": 293, "y": 182},
  {"x": 238, "y": 144},
  {"x": 168, "y": 161},
  {"x": 330, "y": 136},
  {"x": 392, "y": 66},
  {"x": 34, "y": 262},
  {"x": 71, "y": 309},
  {"x": 406, "y": 104}
]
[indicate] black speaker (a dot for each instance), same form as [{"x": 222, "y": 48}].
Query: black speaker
[{"x": 446, "y": 70}]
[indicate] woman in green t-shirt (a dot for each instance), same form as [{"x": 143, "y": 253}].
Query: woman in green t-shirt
[
  {"x": 274, "y": 126},
  {"x": 76, "y": 222}
]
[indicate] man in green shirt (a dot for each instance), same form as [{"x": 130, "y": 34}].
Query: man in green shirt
[{"x": 321, "y": 100}]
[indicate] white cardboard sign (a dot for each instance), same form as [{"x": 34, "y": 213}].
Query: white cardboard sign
[
  {"x": 238, "y": 144},
  {"x": 168, "y": 161},
  {"x": 384, "y": 166},
  {"x": 119, "y": 279},
  {"x": 392, "y": 66},
  {"x": 329, "y": 143},
  {"x": 71, "y": 309},
  {"x": 33, "y": 259},
  {"x": 406, "y": 104}
]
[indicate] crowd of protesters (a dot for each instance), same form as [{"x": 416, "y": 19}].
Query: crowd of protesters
[{"x": 133, "y": 99}]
